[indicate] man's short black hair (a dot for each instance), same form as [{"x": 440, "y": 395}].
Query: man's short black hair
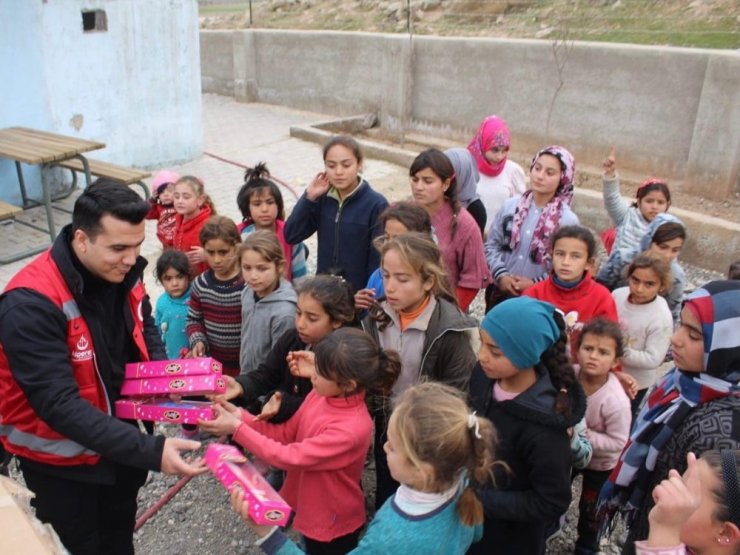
[{"x": 103, "y": 197}]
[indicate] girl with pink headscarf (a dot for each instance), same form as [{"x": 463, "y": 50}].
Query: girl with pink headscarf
[{"x": 500, "y": 178}]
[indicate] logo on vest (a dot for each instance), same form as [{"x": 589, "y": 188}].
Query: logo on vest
[{"x": 82, "y": 350}]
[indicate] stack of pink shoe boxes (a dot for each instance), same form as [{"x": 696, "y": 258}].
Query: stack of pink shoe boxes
[
  {"x": 232, "y": 469},
  {"x": 150, "y": 384}
]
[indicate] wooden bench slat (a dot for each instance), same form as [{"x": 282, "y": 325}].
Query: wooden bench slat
[
  {"x": 9, "y": 211},
  {"x": 62, "y": 139},
  {"x": 123, "y": 174}
]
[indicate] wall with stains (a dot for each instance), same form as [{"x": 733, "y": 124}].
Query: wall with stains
[{"x": 133, "y": 83}]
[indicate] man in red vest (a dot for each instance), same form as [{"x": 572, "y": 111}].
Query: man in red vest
[{"x": 69, "y": 322}]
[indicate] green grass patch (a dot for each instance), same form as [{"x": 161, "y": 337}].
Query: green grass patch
[{"x": 222, "y": 9}]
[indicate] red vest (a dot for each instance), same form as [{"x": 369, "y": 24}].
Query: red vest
[{"x": 22, "y": 432}]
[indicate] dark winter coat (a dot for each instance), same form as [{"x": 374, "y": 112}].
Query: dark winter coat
[
  {"x": 345, "y": 233},
  {"x": 534, "y": 443}
]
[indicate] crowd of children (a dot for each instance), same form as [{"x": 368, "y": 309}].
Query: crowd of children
[{"x": 477, "y": 428}]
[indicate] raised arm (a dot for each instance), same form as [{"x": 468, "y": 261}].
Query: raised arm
[
  {"x": 304, "y": 219},
  {"x": 615, "y": 205}
]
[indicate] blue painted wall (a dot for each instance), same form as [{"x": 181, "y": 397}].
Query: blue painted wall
[{"x": 135, "y": 87}]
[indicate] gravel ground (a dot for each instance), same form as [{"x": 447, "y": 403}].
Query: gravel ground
[{"x": 199, "y": 518}]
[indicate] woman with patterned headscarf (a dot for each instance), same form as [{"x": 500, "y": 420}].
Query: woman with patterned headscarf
[
  {"x": 518, "y": 243},
  {"x": 500, "y": 178},
  {"x": 694, "y": 408}
]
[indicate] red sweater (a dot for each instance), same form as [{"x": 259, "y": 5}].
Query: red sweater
[
  {"x": 580, "y": 304},
  {"x": 322, "y": 447},
  {"x": 186, "y": 235}
]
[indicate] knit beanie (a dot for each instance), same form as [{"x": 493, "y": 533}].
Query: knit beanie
[
  {"x": 162, "y": 179},
  {"x": 523, "y": 328}
]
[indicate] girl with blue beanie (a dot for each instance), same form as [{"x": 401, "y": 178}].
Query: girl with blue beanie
[{"x": 526, "y": 386}]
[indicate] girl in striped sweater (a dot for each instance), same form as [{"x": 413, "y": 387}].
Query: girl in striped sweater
[{"x": 214, "y": 317}]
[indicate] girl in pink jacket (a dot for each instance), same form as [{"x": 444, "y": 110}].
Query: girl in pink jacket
[{"x": 323, "y": 446}]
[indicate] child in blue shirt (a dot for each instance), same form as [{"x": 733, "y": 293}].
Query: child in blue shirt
[{"x": 173, "y": 272}]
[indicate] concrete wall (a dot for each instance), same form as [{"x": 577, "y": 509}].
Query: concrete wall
[
  {"x": 668, "y": 111},
  {"x": 135, "y": 87}
]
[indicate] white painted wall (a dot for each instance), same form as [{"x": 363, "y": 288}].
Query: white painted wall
[{"x": 135, "y": 87}]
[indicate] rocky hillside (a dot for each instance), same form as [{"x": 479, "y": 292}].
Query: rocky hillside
[{"x": 703, "y": 23}]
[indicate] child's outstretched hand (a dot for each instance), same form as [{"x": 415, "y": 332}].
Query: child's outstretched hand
[
  {"x": 302, "y": 363},
  {"x": 319, "y": 186},
  {"x": 241, "y": 507},
  {"x": 364, "y": 299},
  {"x": 610, "y": 164},
  {"x": 676, "y": 498},
  {"x": 233, "y": 390},
  {"x": 271, "y": 407},
  {"x": 226, "y": 422}
]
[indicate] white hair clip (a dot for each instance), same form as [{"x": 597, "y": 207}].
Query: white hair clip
[{"x": 474, "y": 424}]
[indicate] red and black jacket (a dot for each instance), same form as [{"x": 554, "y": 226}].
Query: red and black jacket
[{"x": 56, "y": 382}]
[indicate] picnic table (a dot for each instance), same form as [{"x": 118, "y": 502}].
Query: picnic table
[{"x": 41, "y": 148}]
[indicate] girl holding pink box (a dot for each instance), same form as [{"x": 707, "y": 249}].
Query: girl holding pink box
[{"x": 324, "y": 445}]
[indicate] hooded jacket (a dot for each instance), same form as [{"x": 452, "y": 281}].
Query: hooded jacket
[
  {"x": 611, "y": 273},
  {"x": 264, "y": 322},
  {"x": 534, "y": 443}
]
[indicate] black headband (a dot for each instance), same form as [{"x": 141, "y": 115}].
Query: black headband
[{"x": 732, "y": 484}]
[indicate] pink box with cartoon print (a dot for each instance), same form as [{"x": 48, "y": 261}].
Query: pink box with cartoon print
[
  {"x": 162, "y": 410},
  {"x": 233, "y": 469},
  {"x": 179, "y": 385},
  {"x": 173, "y": 368}
]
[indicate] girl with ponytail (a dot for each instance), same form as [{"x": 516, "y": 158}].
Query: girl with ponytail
[
  {"x": 261, "y": 204},
  {"x": 439, "y": 451},
  {"x": 525, "y": 384},
  {"x": 323, "y": 446}
]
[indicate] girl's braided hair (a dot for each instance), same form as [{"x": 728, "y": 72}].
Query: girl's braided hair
[{"x": 563, "y": 377}]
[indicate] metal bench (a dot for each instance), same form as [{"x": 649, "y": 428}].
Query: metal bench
[{"x": 122, "y": 174}]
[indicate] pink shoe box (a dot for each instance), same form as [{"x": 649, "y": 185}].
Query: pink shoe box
[
  {"x": 160, "y": 410},
  {"x": 234, "y": 470},
  {"x": 172, "y": 368},
  {"x": 180, "y": 385}
]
